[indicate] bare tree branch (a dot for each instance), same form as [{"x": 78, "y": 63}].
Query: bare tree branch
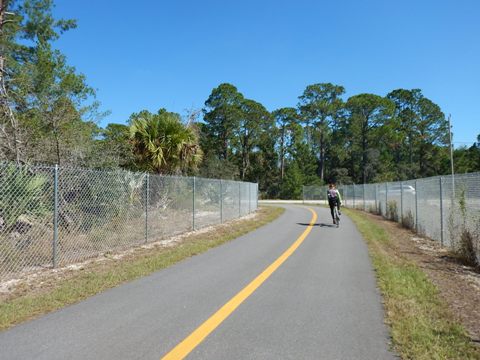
[{"x": 13, "y": 146}]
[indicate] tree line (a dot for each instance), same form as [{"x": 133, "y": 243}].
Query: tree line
[
  {"x": 326, "y": 138},
  {"x": 50, "y": 115}
]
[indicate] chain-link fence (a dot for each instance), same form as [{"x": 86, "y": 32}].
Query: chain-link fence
[
  {"x": 53, "y": 216},
  {"x": 443, "y": 208}
]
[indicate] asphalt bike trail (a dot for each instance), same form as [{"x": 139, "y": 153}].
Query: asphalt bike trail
[{"x": 320, "y": 302}]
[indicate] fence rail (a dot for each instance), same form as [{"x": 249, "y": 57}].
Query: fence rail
[
  {"x": 443, "y": 208},
  {"x": 53, "y": 216}
]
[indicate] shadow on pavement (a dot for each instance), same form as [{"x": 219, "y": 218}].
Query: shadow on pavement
[{"x": 318, "y": 224}]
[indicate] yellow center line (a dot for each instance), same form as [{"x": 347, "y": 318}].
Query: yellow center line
[{"x": 197, "y": 336}]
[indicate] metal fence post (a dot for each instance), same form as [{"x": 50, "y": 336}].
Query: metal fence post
[
  {"x": 376, "y": 198},
  {"x": 416, "y": 207},
  {"x": 353, "y": 196},
  {"x": 386, "y": 200},
  {"x": 441, "y": 212},
  {"x": 147, "y": 195},
  {"x": 239, "y": 199},
  {"x": 221, "y": 201},
  {"x": 249, "y": 198},
  {"x": 55, "y": 217},
  {"x": 193, "y": 205},
  {"x": 401, "y": 202},
  {"x": 303, "y": 194},
  {"x": 364, "y": 205}
]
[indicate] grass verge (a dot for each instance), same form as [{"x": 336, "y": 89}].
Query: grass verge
[
  {"x": 98, "y": 277},
  {"x": 422, "y": 326}
]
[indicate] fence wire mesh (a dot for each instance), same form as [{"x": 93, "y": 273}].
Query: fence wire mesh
[
  {"x": 443, "y": 208},
  {"x": 53, "y": 216}
]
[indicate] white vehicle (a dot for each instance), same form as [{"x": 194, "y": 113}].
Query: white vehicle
[{"x": 397, "y": 189}]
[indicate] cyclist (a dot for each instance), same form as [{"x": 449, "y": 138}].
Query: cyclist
[{"x": 334, "y": 199}]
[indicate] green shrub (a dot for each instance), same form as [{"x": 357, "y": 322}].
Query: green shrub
[
  {"x": 22, "y": 193},
  {"x": 466, "y": 246},
  {"x": 392, "y": 211},
  {"x": 408, "y": 221}
]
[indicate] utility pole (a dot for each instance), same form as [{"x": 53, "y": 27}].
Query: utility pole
[{"x": 451, "y": 157}]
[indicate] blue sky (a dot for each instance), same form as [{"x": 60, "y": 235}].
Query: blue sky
[{"x": 148, "y": 54}]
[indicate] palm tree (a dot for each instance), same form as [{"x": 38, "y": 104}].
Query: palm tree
[{"x": 163, "y": 144}]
